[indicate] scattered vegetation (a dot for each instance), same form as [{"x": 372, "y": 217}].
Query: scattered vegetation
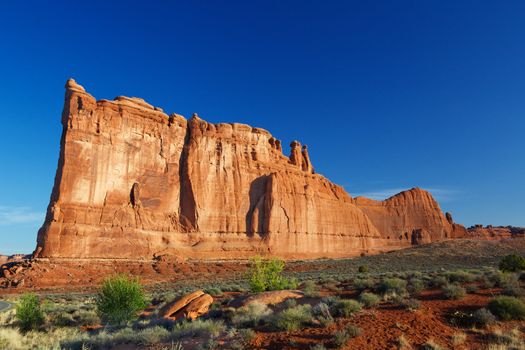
[
  {"x": 453, "y": 291},
  {"x": 120, "y": 299}
]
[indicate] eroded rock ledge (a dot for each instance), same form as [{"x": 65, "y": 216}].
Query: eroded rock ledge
[{"x": 134, "y": 182}]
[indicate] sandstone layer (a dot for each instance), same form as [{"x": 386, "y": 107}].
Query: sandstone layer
[{"x": 133, "y": 182}]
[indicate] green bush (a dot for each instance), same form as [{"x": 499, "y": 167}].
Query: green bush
[
  {"x": 293, "y": 318},
  {"x": 453, "y": 291},
  {"x": 266, "y": 274},
  {"x": 393, "y": 285},
  {"x": 344, "y": 307},
  {"x": 512, "y": 263},
  {"x": 29, "y": 312},
  {"x": 120, "y": 299},
  {"x": 460, "y": 276},
  {"x": 364, "y": 283},
  {"x": 507, "y": 308},
  {"x": 369, "y": 299}
]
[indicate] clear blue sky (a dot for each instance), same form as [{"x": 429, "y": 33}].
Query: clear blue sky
[{"x": 387, "y": 94}]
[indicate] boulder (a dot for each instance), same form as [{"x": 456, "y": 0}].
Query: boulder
[
  {"x": 273, "y": 297},
  {"x": 176, "y": 305}
]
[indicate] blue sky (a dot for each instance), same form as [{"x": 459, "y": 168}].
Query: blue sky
[{"x": 387, "y": 94}]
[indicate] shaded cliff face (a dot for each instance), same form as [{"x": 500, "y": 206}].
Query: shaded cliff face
[{"x": 133, "y": 182}]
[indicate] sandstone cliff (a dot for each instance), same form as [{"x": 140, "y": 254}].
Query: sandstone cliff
[{"x": 134, "y": 182}]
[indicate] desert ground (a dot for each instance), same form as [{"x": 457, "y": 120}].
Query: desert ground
[{"x": 426, "y": 297}]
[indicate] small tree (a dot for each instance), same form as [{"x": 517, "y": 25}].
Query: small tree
[
  {"x": 512, "y": 263},
  {"x": 120, "y": 299},
  {"x": 29, "y": 312},
  {"x": 266, "y": 274}
]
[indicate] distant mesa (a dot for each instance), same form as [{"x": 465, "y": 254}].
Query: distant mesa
[{"x": 134, "y": 182}]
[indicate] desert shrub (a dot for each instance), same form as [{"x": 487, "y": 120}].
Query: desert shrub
[
  {"x": 362, "y": 269},
  {"x": 197, "y": 328},
  {"x": 460, "y": 277},
  {"x": 266, "y": 274},
  {"x": 29, "y": 312},
  {"x": 453, "y": 291},
  {"x": 392, "y": 286},
  {"x": 410, "y": 304},
  {"x": 288, "y": 303},
  {"x": 369, "y": 299},
  {"x": 364, "y": 283},
  {"x": 342, "y": 337},
  {"x": 310, "y": 289},
  {"x": 152, "y": 335},
  {"x": 507, "y": 308},
  {"x": 120, "y": 299},
  {"x": 247, "y": 334},
  {"x": 293, "y": 318},
  {"x": 251, "y": 315},
  {"x": 322, "y": 314},
  {"x": 512, "y": 263},
  {"x": 415, "y": 286},
  {"x": 483, "y": 318},
  {"x": 439, "y": 281},
  {"x": 510, "y": 284},
  {"x": 344, "y": 307}
]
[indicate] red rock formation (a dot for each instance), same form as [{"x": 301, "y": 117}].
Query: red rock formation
[
  {"x": 133, "y": 182},
  {"x": 410, "y": 217},
  {"x": 490, "y": 232}
]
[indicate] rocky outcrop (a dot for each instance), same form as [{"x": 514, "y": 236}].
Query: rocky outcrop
[
  {"x": 410, "y": 217},
  {"x": 491, "y": 232},
  {"x": 190, "y": 306},
  {"x": 133, "y": 182}
]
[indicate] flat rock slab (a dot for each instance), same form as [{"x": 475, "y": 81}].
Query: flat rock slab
[{"x": 269, "y": 298}]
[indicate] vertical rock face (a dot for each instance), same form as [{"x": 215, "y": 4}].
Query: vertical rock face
[{"x": 133, "y": 182}]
